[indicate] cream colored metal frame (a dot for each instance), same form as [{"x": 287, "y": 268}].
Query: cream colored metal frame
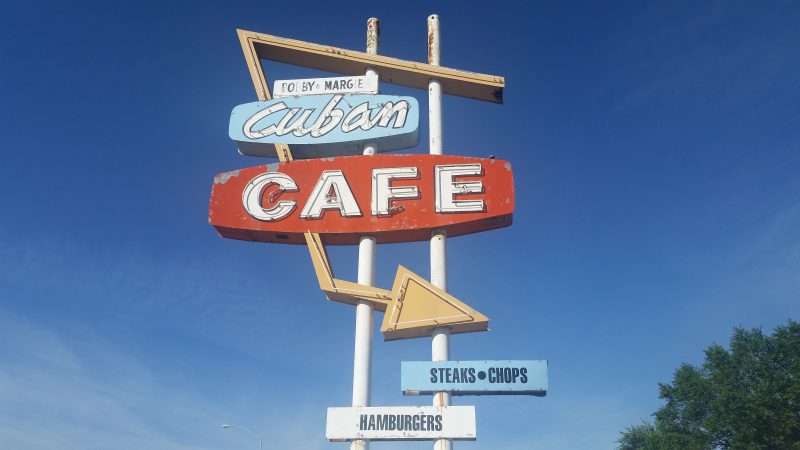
[{"x": 416, "y": 305}]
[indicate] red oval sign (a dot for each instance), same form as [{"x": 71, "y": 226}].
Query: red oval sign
[{"x": 395, "y": 198}]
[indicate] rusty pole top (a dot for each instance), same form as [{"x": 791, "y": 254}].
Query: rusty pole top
[
  {"x": 434, "y": 52},
  {"x": 373, "y": 35}
]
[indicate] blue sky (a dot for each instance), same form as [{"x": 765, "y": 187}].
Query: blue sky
[{"x": 656, "y": 153}]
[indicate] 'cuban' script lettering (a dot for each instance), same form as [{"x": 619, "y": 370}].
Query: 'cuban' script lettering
[{"x": 301, "y": 122}]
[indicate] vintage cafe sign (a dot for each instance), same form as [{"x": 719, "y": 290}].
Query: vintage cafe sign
[
  {"x": 325, "y": 125},
  {"x": 396, "y": 198}
]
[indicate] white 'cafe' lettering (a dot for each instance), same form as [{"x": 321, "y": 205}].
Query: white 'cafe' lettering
[
  {"x": 294, "y": 120},
  {"x": 332, "y": 192}
]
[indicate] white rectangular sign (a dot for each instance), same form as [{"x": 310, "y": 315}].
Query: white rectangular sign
[
  {"x": 337, "y": 85},
  {"x": 401, "y": 423}
]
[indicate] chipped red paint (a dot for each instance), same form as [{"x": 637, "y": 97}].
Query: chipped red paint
[{"x": 414, "y": 219}]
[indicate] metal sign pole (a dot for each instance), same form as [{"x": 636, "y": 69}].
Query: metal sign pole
[
  {"x": 440, "y": 344},
  {"x": 362, "y": 355}
]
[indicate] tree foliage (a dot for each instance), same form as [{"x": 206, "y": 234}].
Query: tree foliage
[{"x": 746, "y": 397}]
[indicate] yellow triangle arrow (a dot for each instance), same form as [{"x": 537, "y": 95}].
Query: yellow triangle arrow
[
  {"x": 413, "y": 308},
  {"x": 418, "y": 307}
]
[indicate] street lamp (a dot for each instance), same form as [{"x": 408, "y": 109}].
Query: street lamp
[{"x": 226, "y": 425}]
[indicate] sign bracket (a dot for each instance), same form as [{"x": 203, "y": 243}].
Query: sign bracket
[
  {"x": 429, "y": 306},
  {"x": 413, "y": 74},
  {"x": 341, "y": 290}
]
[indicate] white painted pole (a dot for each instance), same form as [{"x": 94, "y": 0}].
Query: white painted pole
[
  {"x": 434, "y": 88},
  {"x": 362, "y": 355},
  {"x": 440, "y": 343}
]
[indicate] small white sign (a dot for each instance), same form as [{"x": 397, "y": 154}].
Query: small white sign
[
  {"x": 401, "y": 423},
  {"x": 317, "y": 86}
]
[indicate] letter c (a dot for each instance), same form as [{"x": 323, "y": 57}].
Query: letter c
[{"x": 251, "y": 196}]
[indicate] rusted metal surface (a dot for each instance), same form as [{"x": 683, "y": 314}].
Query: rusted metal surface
[
  {"x": 434, "y": 47},
  {"x": 373, "y": 36}
]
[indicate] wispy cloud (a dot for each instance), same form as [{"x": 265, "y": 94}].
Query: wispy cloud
[
  {"x": 61, "y": 390},
  {"x": 775, "y": 243},
  {"x": 217, "y": 301}
]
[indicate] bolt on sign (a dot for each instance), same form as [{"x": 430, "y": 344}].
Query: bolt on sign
[
  {"x": 474, "y": 377},
  {"x": 325, "y": 125},
  {"x": 395, "y": 198}
]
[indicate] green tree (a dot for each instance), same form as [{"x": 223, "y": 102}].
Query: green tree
[
  {"x": 747, "y": 397},
  {"x": 642, "y": 436}
]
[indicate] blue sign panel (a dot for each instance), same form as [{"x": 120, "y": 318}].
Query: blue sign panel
[
  {"x": 474, "y": 377},
  {"x": 325, "y": 125}
]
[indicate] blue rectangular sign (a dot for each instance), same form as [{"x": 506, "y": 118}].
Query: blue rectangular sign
[
  {"x": 325, "y": 125},
  {"x": 474, "y": 377}
]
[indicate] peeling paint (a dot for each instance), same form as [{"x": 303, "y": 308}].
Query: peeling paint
[
  {"x": 224, "y": 177},
  {"x": 507, "y": 166},
  {"x": 272, "y": 167}
]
